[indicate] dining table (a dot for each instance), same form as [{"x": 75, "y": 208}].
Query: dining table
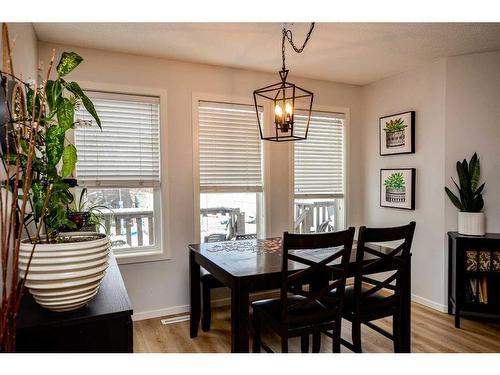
[{"x": 249, "y": 266}]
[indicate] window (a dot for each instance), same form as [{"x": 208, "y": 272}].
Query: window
[
  {"x": 319, "y": 174},
  {"x": 230, "y": 165},
  {"x": 120, "y": 167}
]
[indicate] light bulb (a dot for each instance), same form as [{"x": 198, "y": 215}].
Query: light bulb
[
  {"x": 288, "y": 109},
  {"x": 278, "y": 111}
]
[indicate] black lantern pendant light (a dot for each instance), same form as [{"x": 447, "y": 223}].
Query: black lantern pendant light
[{"x": 287, "y": 99}]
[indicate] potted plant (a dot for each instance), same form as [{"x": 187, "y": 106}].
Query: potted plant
[
  {"x": 470, "y": 200},
  {"x": 395, "y": 190},
  {"x": 85, "y": 215},
  {"x": 395, "y": 133},
  {"x": 66, "y": 268}
]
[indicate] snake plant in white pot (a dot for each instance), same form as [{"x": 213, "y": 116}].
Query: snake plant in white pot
[{"x": 470, "y": 200}]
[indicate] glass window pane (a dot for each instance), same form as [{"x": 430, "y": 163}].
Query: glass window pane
[
  {"x": 128, "y": 215},
  {"x": 227, "y": 216},
  {"x": 319, "y": 215}
]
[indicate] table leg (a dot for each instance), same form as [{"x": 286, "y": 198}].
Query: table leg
[
  {"x": 195, "y": 295},
  {"x": 406, "y": 311},
  {"x": 239, "y": 317}
]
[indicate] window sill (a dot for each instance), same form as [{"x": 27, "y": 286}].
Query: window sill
[{"x": 142, "y": 257}]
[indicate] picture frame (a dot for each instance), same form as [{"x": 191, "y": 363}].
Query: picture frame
[
  {"x": 397, "y": 188},
  {"x": 397, "y": 134}
]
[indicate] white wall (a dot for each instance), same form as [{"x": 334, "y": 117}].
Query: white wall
[
  {"x": 424, "y": 92},
  {"x": 473, "y": 125},
  {"x": 23, "y": 43},
  {"x": 457, "y": 113},
  {"x": 164, "y": 284}
]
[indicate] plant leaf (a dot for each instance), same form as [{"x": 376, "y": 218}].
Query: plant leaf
[
  {"x": 87, "y": 103},
  {"x": 474, "y": 172},
  {"x": 454, "y": 199},
  {"x": 33, "y": 102},
  {"x": 65, "y": 113},
  {"x": 53, "y": 91},
  {"x": 68, "y": 62},
  {"x": 54, "y": 144},
  {"x": 464, "y": 184},
  {"x": 69, "y": 160},
  {"x": 480, "y": 189}
]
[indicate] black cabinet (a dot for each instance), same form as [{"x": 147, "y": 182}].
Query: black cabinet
[
  {"x": 473, "y": 275},
  {"x": 104, "y": 325}
]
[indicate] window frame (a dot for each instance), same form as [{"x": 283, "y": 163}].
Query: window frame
[
  {"x": 161, "y": 250},
  {"x": 265, "y": 204},
  {"x": 291, "y": 187}
]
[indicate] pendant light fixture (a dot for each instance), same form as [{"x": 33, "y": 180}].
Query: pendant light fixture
[{"x": 287, "y": 100}]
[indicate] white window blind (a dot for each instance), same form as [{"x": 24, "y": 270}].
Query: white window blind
[
  {"x": 229, "y": 147},
  {"x": 319, "y": 160},
  {"x": 127, "y": 149}
]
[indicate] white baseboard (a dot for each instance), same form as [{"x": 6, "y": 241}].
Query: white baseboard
[
  {"x": 182, "y": 309},
  {"x": 427, "y": 302}
]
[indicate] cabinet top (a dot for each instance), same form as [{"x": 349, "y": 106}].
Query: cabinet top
[
  {"x": 112, "y": 300},
  {"x": 487, "y": 236}
]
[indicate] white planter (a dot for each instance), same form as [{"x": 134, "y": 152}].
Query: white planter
[
  {"x": 471, "y": 223},
  {"x": 65, "y": 276}
]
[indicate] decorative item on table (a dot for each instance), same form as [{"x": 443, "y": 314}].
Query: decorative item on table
[
  {"x": 496, "y": 261},
  {"x": 85, "y": 215},
  {"x": 66, "y": 270},
  {"x": 471, "y": 219},
  {"x": 484, "y": 261},
  {"x": 397, "y": 133},
  {"x": 397, "y": 188},
  {"x": 292, "y": 104},
  {"x": 471, "y": 260}
]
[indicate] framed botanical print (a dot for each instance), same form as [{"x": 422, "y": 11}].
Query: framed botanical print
[
  {"x": 397, "y": 133},
  {"x": 397, "y": 188}
]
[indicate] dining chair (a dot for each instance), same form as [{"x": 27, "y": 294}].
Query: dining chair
[
  {"x": 301, "y": 311},
  {"x": 377, "y": 295},
  {"x": 209, "y": 282}
]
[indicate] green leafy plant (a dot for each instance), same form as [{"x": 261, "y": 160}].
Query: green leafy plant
[
  {"x": 395, "y": 181},
  {"x": 470, "y": 197},
  {"x": 394, "y": 125},
  {"x": 54, "y": 108},
  {"x": 92, "y": 211}
]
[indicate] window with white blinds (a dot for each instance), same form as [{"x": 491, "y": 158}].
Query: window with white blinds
[
  {"x": 319, "y": 160},
  {"x": 230, "y": 151},
  {"x": 126, "y": 151}
]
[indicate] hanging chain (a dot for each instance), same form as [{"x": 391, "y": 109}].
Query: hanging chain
[{"x": 287, "y": 35}]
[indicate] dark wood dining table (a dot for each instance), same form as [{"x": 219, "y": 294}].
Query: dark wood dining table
[{"x": 249, "y": 266}]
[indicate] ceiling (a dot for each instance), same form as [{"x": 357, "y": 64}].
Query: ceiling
[{"x": 356, "y": 53}]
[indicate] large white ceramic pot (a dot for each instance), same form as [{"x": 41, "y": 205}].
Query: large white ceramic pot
[
  {"x": 65, "y": 276},
  {"x": 471, "y": 223}
]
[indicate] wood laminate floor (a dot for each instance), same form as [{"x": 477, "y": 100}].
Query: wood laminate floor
[{"x": 432, "y": 331}]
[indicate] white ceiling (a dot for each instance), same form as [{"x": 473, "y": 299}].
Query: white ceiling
[{"x": 356, "y": 53}]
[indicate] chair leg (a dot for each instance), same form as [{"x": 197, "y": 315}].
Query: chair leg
[
  {"x": 336, "y": 340},
  {"x": 356, "y": 335},
  {"x": 284, "y": 344},
  {"x": 207, "y": 309},
  {"x": 304, "y": 344},
  {"x": 257, "y": 340},
  {"x": 396, "y": 332},
  {"x": 316, "y": 344}
]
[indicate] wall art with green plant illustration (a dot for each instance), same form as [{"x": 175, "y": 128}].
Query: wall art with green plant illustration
[
  {"x": 397, "y": 188},
  {"x": 397, "y": 133}
]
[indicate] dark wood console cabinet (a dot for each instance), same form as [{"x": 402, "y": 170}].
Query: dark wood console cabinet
[
  {"x": 104, "y": 325},
  {"x": 473, "y": 275}
]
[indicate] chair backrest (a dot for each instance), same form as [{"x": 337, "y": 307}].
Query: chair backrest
[
  {"x": 215, "y": 237},
  {"x": 246, "y": 237},
  {"x": 324, "y": 272},
  {"x": 372, "y": 261}
]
